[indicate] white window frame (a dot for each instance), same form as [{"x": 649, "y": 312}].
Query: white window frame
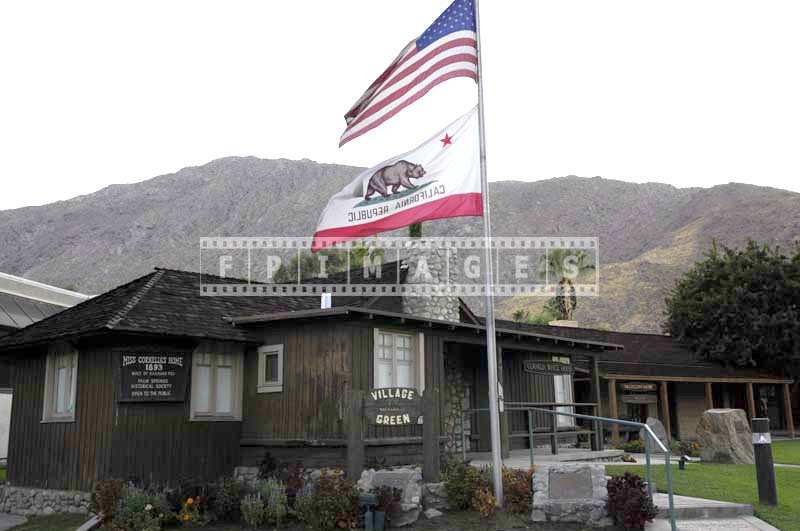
[
  {"x": 265, "y": 386},
  {"x": 564, "y": 382},
  {"x": 217, "y": 353},
  {"x": 418, "y": 352},
  {"x": 57, "y": 355}
]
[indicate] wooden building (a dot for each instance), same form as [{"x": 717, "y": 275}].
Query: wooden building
[
  {"x": 654, "y": 376},
  {"x": 155, "y": 380}
]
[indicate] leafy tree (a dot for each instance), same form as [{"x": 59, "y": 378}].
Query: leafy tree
[
  {"x": 566, "y": 265},
  {"x": 740, "y": 307}
]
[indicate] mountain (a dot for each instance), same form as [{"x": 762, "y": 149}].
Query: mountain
[{"x": 649, "y": 233}]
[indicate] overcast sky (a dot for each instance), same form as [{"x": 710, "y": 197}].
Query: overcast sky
[{"x": 691, "y": 93}]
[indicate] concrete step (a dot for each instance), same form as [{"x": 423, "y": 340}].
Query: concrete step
[
  {"x": 688, "y": 508},
  {"x": 740, "y": 523}
]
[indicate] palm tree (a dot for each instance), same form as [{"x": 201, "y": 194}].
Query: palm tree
[{"x": 566, "y": 265}]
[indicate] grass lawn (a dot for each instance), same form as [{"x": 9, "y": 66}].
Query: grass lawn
[
  {"x": 787, "y": 452},
  {"x": 54, "y": 522},
  {"x": 733, "y": 483},
  {"x": 2, "y": 474}
]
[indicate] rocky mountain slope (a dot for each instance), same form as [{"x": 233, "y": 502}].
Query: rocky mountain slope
[{"x": 649, "y": 233}]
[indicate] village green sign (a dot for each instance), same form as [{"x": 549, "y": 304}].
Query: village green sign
[{"x": 393, "y": 406}]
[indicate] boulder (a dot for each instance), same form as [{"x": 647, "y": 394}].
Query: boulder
[
  {"x": 409, "y": 480},
  {"x": 434, "y": 496},
  {"x": 724, "y": 436},
  {"x": 660, "y": 432}
]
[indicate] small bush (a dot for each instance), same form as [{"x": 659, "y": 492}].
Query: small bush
[
  {"x": 689, "y": 448},
  {"x": 518, "y": 488},
  {"x": 273, "y": 494},
  {"x": 252, "y": 508},
  {"x": 332, "y": 503},
  {"x": 388, "y": 500},
  {"x": 484, "y": 502},
  {"x": 193, "y": 512},
  {"x": 105, "y": 498},
  {"x": 636, "y": 446},
  {"x": 140, "y": 510},
  {"x": 267, "y": 467},
  {"x": 461, "y": 483},
  {"x": 227, "y": 499},
  {"x": 628, "y": 502}
]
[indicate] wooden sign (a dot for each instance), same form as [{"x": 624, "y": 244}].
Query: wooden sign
[
  {"x": 548, "y": 367},
  {"x": 638, "y": 387},
  {"x": 640, "y": 398},
  {"x": 393, "y": 406},
  {"x": 153, "y": 377}
]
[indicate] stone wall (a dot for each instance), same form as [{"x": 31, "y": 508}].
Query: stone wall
[
  {"x": 457, "y": 395},
  {"x": 431, "y": 267},
  {"x": 34, "y": 502}
]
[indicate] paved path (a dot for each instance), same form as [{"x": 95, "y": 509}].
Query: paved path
[
  {"x": 7, "y": 521},
  {"x": 743, "y": 523}
]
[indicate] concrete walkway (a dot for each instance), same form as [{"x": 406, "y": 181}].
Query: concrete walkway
[
  {"x": 740, "y": 523},
  {"x": 7, "y": 521}
]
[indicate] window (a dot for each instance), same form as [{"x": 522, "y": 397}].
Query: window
[
  {"x": 564, "y": 393},
  {"x": 398, "y": 360},
  {"x": 270, "y": 369},
  {"x": 217, "y": 382},
  {"x": 61, "y": 377}
]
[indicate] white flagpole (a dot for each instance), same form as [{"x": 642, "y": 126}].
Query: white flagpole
[{"x": 491, "y": 346}]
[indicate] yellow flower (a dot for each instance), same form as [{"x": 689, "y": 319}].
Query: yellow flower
[
  {"x": 185, "y": 517},
  {"x": 189, "y": 501}
]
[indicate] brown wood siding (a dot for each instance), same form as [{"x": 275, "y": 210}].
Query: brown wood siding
[
  {"x": 521, "y": 386},
  {"x": 316, "y": 380},
  {"x": 153, "y": 442},
  {"x": 323, "y": 361}
]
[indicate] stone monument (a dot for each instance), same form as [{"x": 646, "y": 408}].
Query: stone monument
[
  {"x": 570, "y": 493},
  {"x": 724, "y": 436},
  {"x": 659, "y": 431}
]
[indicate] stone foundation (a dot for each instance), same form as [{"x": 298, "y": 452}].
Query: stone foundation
[{"x": 37, "y": 502}]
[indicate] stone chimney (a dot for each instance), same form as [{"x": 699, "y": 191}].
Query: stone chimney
[{"x": 426, "y": 277}]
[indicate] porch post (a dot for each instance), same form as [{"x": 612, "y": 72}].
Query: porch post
[
  {"x": 709, "y": 396},
  {"x": 355, "y": 436},
  {"x": 787, "y": 409},
  {"x": 665, "y": 410},
  {"x": 751, "y": 401},
  {"x": 430, "y": 434},
  {"x": 612, "y": 402},
  {"x": 594, "y": 393}
]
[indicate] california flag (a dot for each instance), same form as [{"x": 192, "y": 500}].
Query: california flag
[{"x": 439, "y": 179}]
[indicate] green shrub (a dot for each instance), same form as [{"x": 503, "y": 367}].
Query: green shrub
[
  {"x": 276, "y": 504},
  {"x": 252, "y": 508},
  {"x": 628, "y": 502},
  {"x": 140, "y": 510},
  {"x": 332, "y": 503},
  {"x": 461, "y": 484},
  {"x": 692, "y": 449},
  {"x": 227, "y": 499},
  {"x": 636, "y": 446},
  {"x": 105, "y": 498}
]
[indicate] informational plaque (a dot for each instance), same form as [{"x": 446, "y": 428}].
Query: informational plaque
[
  {"x": 393, "y": 406},
  {"x": 547, "y": 367},
  {"x": 153, "y": 376}
]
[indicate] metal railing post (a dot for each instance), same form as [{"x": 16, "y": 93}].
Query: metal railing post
[
  {"x": 647, "y": 468},
  {"x": 530, "y": 434},
  {"x": 668, "y": 472}
]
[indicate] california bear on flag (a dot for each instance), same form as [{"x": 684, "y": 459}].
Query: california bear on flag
[{"x": 439, "y": 179}]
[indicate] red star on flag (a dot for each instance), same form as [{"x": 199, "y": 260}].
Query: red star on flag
[{"x": 446, "y": 141}]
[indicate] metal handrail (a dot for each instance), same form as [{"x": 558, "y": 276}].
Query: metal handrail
[{"x": 601, "y": 420}]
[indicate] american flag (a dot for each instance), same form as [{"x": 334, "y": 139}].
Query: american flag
[{"x": 446, "y": 50}]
